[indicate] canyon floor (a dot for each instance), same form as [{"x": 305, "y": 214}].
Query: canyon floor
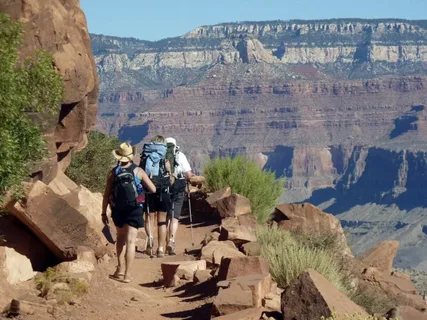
[{"x": 144, "y": 297}]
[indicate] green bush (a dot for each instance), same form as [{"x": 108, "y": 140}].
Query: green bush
[
  {"x": 31, "y": 86},
  {"x": 288, "y": 258},
  {"x": 247, "y": 179},
  {"x": 90, "y": 167}
]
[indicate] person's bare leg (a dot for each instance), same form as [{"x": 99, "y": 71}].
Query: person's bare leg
[
  {"x": 120, "y": 243},
  {"x": 149, "y": 230},
  {"x": 130, "y": 250},
  {"x": 161, "y": 232}
]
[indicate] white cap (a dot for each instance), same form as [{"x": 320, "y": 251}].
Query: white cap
[{"x": 171, "y": 140}]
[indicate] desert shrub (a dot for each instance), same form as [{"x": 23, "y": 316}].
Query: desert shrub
[
  {"x": 29, "y": 86},
  {"x": 247, "y": 179},
  {"x": 288, "y": 258},
  {"x": 44, "y": 282},
  {"x": 91, "y": 166}
]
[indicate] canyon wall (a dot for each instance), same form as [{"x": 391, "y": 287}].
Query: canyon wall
[{"x": 337, "y": 107}]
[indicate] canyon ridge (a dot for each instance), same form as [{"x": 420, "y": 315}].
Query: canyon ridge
[{"x": 337, "y": 107}]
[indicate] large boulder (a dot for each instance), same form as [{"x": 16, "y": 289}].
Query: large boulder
[
  {"x": 176, "y": 270},
  {"x": 218, "y": 195},
  {"x": 233, "y": 206},
  {"x": 310, "y": 219},
  {"x": 58, "y": 225},
  {"x": 242, "y": 266},
  {"x": 240, "y": 229},
  {"x": 60, "y": 28},
  {"x": 311, "y": 296},
  {"x": 257, "y": 286},
  {"x": 214, "y": 251},
  {"x": 401, "y": 288},
  {"x": 381, "y": 256},
  {"x": 15, "y": 267},
  {"x": 406, "y": 313}
]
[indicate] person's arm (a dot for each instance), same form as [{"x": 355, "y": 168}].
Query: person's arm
[
  {"x": 146, "y": 181},
  {"x": 106, "y": 198},
  {"x": 186, "y": 168}
]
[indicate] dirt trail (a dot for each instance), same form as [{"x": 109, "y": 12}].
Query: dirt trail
[{"x": 144, "y": 297}]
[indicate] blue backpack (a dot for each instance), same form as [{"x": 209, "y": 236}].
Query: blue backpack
[{"x": 153, "y": 161}]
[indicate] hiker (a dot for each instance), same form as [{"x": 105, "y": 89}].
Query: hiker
[
  {"x": 159, "y": 171},
  {"x": 181, "y": 170},
  {"x": 123, "y": 193}
]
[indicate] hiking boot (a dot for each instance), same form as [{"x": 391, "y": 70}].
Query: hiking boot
[
  {"x": 160, "y": 253},
  {"x": 170, "y": 249},
  {"x": 149, "y": 250}
]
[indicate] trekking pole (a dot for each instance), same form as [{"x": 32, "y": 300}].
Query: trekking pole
[{"x": 191, "y": 216}]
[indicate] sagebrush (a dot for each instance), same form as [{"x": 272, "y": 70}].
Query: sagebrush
[
  {"x": 244, "y": 177},
  {"x": 26, "y": 87},
  {"x": 288, "y": 258},
  {"x": 90, "y": 167},
  {"x": 75, "y": 287}
]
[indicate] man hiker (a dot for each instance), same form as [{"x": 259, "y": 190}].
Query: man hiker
[
  {"x": 182, "y": 172},
  {"x": 158, "y": 204},
  {"x": 123, "y": 193}
]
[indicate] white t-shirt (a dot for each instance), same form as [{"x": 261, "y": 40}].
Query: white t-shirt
[{"x": 183, "y": 165}]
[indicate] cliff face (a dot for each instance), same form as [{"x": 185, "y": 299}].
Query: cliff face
[
  {"x": 60, "y": 28},
  {"x": 336, "y": 107}
]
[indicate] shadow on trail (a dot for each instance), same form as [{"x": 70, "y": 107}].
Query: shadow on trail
[
  {"x": 153, "y": 284},
  {"x": 201, "y": 313},
  {"x": 196, "y": 292}
]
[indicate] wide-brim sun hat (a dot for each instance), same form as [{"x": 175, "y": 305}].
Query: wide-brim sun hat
[
  {"x": 125, "y": 153},
  {"x": 170, "y": 140}
]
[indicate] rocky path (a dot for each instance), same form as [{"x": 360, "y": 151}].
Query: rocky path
[{"x": 144, "y": 298}]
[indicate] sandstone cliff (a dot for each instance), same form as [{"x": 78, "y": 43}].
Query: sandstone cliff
[{"x": 60, "y": 28}]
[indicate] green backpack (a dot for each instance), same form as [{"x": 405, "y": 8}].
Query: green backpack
[{"x": 170, "y": 155}]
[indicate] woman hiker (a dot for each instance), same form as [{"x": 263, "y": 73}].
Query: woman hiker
[{"x": 124, "y": 183}]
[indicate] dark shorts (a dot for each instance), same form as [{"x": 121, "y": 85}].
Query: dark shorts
[
  {"x": 178, "y": 202},
  {"x": 157, "y": 202},
  {"x": 134, "y": 218}
]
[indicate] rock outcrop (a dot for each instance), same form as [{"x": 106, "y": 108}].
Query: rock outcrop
[
  {"x": 60, "y": 28},
  {"x": 59, "y": 213},
  {"x": 311, "y": 296}
]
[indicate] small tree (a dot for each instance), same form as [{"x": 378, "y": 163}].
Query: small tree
[
  {"x": 247, "y": 179},
  {"x": 90, "y": 166},
  {"x": 31, "y": 86}
]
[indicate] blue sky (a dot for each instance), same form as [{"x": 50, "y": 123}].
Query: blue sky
[{"x": 158, "y": 19}]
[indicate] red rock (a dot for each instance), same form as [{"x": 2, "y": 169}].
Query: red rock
[
  {"x": 216, "y": 196},
  {"x": 201, "y": 276},
  {"x": 233, "y": 299},
  {"x": 232, "y": 229},
  {"x": 310, "y": 219},
  {"x": 59, "y": 226},
  {"x": 248, "y": 314},
  {"x": 214, "y": 251},
  {"x": 60, "y": 28},
  {"x": 233, "y": 206},
  {"x": 242, "y": 266},
  {"x": 381, "y": 256},
  {"x": 251, "y": 248},
  {"x": 259, "y": 285},
  {"x": 311, "y": 296},
  {"x": 406, "y": 313},
  {"x": 173, "y": 271}
]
